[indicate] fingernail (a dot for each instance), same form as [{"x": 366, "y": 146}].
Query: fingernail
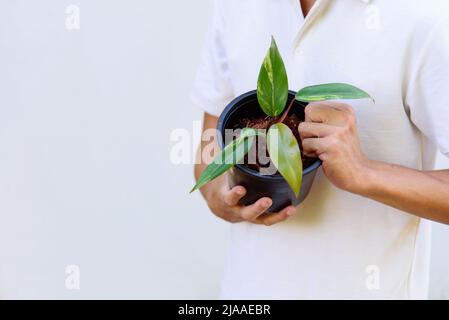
[
  {"x": 291, "y": 212},
  {"x": 240, "y": 192}
]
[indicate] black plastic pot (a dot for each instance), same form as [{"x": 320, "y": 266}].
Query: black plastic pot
[{"x": 256, "y": 184}]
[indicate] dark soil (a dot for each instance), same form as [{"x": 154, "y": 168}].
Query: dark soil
[{"x": 291, "y": 121}]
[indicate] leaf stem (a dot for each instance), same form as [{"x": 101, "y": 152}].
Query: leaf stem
[{"x": 284, "y": 116}]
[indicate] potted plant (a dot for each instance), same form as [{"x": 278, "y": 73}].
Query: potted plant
[{"x": 266, "y": 120}]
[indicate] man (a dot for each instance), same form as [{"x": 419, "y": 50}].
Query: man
[{"x": 362, "y": 232}]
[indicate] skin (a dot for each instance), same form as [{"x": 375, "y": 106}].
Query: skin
[
  {"x": 330, "y": 133},
  {"x": 306, "y": 5}
]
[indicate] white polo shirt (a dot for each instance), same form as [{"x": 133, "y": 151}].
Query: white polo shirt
[{"x": 339, "y": 245}]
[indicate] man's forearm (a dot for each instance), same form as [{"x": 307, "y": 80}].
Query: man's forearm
[{"x": 422, "y": 193}]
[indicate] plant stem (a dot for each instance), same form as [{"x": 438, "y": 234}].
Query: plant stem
[{"x": 284, "y": 116}]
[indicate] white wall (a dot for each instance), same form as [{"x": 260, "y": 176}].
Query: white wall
[{"x": 85, "y": 177}]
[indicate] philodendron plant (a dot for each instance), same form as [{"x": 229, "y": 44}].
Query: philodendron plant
[{"x": 282, "y": 146}]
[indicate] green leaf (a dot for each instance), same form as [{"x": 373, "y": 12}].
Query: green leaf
[
  {"x": 272, "y": 85},
  {"x": 285, "y": 154},
  {"x": 331, "y": 91},
  {"x": 230, "y": 155}
]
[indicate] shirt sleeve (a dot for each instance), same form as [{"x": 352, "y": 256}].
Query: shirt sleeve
[
  {"x": 428, "y": 91},
  {"x": 212, "y": 89}
]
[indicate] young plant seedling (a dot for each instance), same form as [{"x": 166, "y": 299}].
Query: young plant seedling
[{"x": 282, "y": 146}]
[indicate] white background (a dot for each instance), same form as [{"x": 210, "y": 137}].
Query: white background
[{"x": 85, "y": 176}]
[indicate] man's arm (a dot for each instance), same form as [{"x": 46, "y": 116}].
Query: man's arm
[
  {"x": 330, "y": 133},
  {"x": 422, "y": 193},
  {"x": 224, "y": 202}
]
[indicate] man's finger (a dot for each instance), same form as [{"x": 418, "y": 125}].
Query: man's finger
[
  {"x": 315, "y": 130},
  {"x": 270, "y": 219},
  {"x": 233, "y": 196},
  {"x": 324, "y": 113},
  {"x": 339, "y": 106},
  {"x": 313, "y": 147},
  {"x": 251, "y": 212}
]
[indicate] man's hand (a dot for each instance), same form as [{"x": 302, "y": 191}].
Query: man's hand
[
  {"x": 224, "y": 203},
  {"x": 330, "y": 133}
]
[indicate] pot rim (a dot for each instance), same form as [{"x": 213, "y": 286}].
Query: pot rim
[{"x": 221, "y": 127}]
